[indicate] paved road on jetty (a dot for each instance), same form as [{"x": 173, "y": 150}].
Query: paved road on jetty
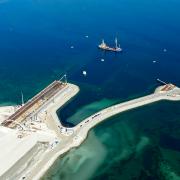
[
  {"x": 81, "y": 130},
  {"x": 88, "y": 123}
]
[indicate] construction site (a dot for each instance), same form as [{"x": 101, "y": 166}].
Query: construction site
[
  {"x": 32, "y": 130},
  {"x": 32, "y": 106},
  {"x": 32, "y": 136}
]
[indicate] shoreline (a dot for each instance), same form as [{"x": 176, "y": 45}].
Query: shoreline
[
  {"x": 53, "y": 123},
  {"x": 81, "y": 135},
  {"x": 69, "y": 138},
  {"x": 58, "y": 150}
]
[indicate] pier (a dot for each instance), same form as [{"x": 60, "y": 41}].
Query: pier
[
  {"x": 80, "y": 131},
  {"x": 42, "y": 110},
  {"x": 34, "y": 104},
  {"x": 162, "y": 94},
  {"x": 34, "y": 128}
]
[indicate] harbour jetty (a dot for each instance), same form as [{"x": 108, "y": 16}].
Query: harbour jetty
[
  {"x": 161, "y": 93},
  {"x": 36, "y": 128}
]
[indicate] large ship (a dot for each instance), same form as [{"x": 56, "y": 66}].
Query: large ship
[{"x": 104, "y": 46}]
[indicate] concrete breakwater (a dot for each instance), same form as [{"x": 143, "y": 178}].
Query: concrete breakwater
[
  {"x": 40, "y": 113},
  {"x": 79, "y": 132}
]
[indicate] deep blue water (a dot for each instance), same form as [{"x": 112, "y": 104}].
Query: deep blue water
[
  {"x": 35, "y": 41},
  {"x": 36, "y": 37}
]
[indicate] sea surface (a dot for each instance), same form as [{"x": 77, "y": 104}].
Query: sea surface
[{"x": 36, "y": 40}]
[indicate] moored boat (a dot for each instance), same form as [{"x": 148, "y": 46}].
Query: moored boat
[{"x": 105, "y": 47}]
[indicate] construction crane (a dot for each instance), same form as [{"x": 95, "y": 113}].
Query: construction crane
[
  {"x": 64, "y": 77},
  {"x": 161, "y": 81}
]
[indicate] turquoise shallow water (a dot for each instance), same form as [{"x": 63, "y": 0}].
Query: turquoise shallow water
[
  {"x": 36, "y": 37},
  {"x": 143, "y": 143}
]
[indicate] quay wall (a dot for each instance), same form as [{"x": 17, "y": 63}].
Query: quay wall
[{"x": 81, "y": 130}]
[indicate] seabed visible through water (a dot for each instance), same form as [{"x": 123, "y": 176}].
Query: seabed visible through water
[{"x": 132, "y": 145}]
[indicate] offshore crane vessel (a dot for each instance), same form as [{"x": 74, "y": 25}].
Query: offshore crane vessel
[{"x": 105, "y": 47}]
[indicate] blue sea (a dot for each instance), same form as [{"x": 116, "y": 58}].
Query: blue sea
[{"x": 36, "y": 37}]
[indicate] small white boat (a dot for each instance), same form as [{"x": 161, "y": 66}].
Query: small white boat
[
  {"x": 84, "y": 73},
  {"x": 164, "y": 50}
]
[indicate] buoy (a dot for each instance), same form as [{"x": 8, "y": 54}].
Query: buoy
[
  {"x": 165, "y": 50},
  {"x": 84, "y": 73}
]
